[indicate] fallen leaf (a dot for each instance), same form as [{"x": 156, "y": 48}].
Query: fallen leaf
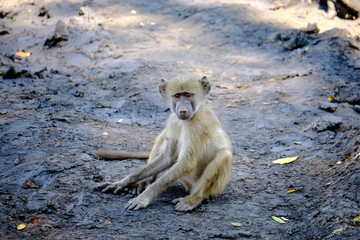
[
  {"x": 339, "y": 162},
  {"x": 356, "y": 220},
  {"x": 141, "y": 24},
  {"x": 105, "y": 134},
  {"x": 133, "y": 12},
  {"x": 279, "y": 220},
  {"x": 236, "y": 224},
  {"x": 230, "y": 106},
  {"x": 23, "y": 54},
  {"x": 330, "y": 98},
  {"x": 306, "y": 48},
  {"x": 284, "y": 218},
  {"x": 285, "y": 160},
  {"x": 337, "y": 231},
  {"x": 290, "y": 191},
  {"x": 120, "y": 120},
  {"x": 21, "y": 227}
]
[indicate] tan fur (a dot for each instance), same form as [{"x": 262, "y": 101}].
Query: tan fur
[
  {"x": 182, "y": 84},
  {"x": 120, "y": 155},
  {"x": 197, "y": 152}
]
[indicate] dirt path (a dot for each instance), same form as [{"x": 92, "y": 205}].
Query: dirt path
[{"x": 272, "y": 78}]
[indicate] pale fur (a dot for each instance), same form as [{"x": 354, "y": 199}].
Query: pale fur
[{"x": 196, "y": 152}]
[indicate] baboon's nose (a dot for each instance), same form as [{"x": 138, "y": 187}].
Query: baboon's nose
[{"x": 182, "y": 111}]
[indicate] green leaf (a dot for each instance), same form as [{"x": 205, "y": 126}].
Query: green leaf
[
  {"x": 279, "y": 220},
  {"x": 236, "y": 224}
]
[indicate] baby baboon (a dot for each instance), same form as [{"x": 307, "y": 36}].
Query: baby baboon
[{"x": 193, "y": 149}]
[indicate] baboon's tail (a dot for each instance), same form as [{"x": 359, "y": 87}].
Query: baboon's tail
[{"x": 120, "y": 155}]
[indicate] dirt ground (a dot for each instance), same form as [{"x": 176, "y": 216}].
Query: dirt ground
[{"x": 281, "y": 89}]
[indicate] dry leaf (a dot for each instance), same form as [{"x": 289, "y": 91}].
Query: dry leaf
[
  {"x": 119, "y": 236},
  {"x": 21, "y": 227},
  {"x": 105, "y": 134},
  {"x": 285, "y": 160},
  {"x": 23, "y": 54},
  {"x": 141, "y": 24},
  {"x": 330, "y": 98},
  {"x": 231, "y": 106},
  {"x": 279, "y": 220},
  {"x": 339, "y": 162},
  {"x": 236, "y": 224},
  {"x": 284, "y": 218},
  {"x": 290, "y": 191},
  {"x": 120, "y": 120},
  {"x": 133, "y": 12}
]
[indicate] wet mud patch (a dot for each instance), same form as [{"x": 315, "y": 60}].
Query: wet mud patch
[{"x": 282, "y": 88}]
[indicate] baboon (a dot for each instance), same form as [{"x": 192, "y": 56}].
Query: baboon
[{"x": 193, "y": 149}]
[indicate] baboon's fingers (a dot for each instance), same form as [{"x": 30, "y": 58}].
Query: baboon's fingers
[
  {"x": 175, "y": 201},
  {"x": 130, "y": 205},
  {"x": 184, "y": 207},
  {"x": 136, "y": 204},
  {"x": 119, "y": 189},
  {"x": 138, "y": 207},
  {"x": 138, "y": 191},
  {"x": 107, "y": 189},
  {"x": 135, "y": 190},
  {"x": 101, "y": 186},
  {"x": 112, "y": 187}
]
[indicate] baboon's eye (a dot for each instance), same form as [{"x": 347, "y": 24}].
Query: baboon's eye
[
  {"x": 188, "y": 95},
  {"x": 177, "y": 95}
]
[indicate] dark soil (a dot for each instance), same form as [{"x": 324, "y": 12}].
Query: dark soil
[{"x": 281, "y": 88}]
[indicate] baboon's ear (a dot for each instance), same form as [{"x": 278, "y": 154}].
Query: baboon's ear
[
  {"x": 205, "y": 85},
  {"x": 162, "y": 88}
]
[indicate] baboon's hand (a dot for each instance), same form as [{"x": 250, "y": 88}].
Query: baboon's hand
[
  {"x": 136, "y": 203},
  {"x": 101, "y": 186},
  {"x": 115, "y": 187},
  {"x": 183, "y": 205}
]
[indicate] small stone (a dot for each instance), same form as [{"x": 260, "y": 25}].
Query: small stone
[
  {"x": 60, "y": 34},
  {"x": 329, "y": 107},
  {"x": 19, "y": 160},
  {"x": 3, "y": 112},
  {"x": 311, "y": 28},
  {"x": 357, "y": 108},
  {"x": 357, "y": 64},
  {"x": 30, "y": 183}
]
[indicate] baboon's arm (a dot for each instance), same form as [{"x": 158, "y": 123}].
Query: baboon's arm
[
  {"x": 175, "y": 172},
  {"x": 159, "y": 164}
]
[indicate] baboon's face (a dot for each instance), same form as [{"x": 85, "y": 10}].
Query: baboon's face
[
  {"x": 184, "y": 94},
  {"x": 183, "y": 105}
]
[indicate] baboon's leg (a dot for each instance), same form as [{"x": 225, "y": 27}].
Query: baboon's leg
[{"x": 212, "y": 182}]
